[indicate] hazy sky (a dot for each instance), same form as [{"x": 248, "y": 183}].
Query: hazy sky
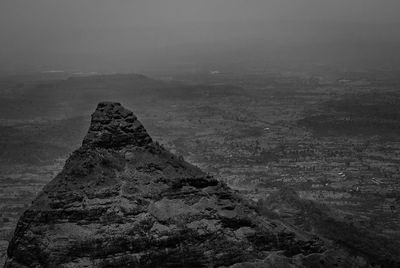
[{"x": 53, "y": 32}]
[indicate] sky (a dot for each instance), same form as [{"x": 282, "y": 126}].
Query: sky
[{"x": 97, "y": 33}]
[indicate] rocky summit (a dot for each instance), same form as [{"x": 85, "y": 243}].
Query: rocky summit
[{"x": 122, "y": 200}]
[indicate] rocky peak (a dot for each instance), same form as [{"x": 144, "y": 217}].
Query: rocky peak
[
  {"x": 113, "y": 126},
  {"x": 123, "y": 201}
]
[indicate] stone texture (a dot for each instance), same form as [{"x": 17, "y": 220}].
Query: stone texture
[
  {"x": 124, "y": 201},
  {"x": 113, "y": 126}
]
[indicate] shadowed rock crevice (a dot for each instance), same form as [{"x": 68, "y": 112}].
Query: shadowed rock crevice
[{"x": 124, "y": 201}]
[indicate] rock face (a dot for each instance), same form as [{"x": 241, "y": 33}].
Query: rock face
[
  {"x": 113, "y": 126},
  {"x": 124, "y": 201}
]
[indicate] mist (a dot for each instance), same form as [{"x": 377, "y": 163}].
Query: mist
[{"x": 134, "y": 35}]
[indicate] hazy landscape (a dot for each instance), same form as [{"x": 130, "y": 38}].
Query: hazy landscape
[
  {"x": 295, "y": 106},
  {"x": 332, "y": 139}
]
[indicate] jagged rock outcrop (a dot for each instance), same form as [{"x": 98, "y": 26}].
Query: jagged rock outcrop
[{"x": 124, "y": 201}]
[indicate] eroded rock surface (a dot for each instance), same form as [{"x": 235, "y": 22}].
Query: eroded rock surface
[{"x": 124, "y": 201}]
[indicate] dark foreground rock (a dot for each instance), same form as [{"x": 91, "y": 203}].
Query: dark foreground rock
[{"x": 124, "y": 201}]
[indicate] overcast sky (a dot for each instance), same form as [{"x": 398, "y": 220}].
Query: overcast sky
[{"x": 50, "y": 32}]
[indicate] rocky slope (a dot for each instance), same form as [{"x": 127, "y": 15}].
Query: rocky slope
[{"x": 122, "y": 200}]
